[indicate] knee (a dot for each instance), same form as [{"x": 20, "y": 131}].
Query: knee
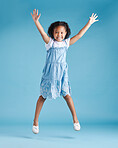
[
  {"x": 41, "y": 98},
  {"x": 66, "y": 97}
]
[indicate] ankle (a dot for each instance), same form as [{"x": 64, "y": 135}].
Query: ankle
[
  {"x": 75, "y": 121},
  {"x": 35, "y": 122}
]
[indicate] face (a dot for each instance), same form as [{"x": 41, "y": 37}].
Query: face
[{"x": 59, "y": 33}]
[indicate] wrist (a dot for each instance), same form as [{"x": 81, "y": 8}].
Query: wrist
[
  {"x": 89, "y": 22},
  {"x": 36, "y": 21}
]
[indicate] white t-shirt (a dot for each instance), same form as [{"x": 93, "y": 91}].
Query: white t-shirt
[{"x": 64, "y": 43}]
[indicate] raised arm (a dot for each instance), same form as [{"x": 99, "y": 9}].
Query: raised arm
[
  {"x": 84, "y": 29},
  {"x": 36, "y": 17}
]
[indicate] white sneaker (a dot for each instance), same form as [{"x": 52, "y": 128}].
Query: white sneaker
[
  {"x": 35, "y": 129},
  {"x": 76, "y": 126}
]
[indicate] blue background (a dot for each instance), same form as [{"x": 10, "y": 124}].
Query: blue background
[{"x": 92, "y": 61}]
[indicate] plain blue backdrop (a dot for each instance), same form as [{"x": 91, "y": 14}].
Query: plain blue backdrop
[{"x": 92, "y": 61}]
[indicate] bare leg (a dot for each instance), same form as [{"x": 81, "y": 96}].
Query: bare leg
[
  {"x": 70, "y": 104},
  {"x": 39, "y": 105}
]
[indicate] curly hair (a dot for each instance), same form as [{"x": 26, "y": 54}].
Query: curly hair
[{"x": 58, "y": 23}]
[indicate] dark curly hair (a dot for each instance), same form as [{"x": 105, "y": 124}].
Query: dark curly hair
[{"x": 58, "y": 23}]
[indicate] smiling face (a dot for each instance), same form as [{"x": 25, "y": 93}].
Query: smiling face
[{"x": 59, "y": 33}]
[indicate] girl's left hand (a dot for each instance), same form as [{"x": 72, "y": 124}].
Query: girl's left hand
[{"x": 93, "y": 18}]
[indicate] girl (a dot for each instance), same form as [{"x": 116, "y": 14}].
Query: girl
[{"x": 54, "y": 81}]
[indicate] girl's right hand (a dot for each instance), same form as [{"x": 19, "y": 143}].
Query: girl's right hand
[{"x": 35, "y": 15}]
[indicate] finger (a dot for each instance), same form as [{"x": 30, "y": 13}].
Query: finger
[
  {"x": 92, "y": 14},
  {"x": 37, "y": 11},
  {"x": 34, "y": 11},
  {"x": 96, "y": 20},
  {"x": 39, "y": 15},
  {"x": 96, "y": 17},
  {"x": 31, "y": 13}
]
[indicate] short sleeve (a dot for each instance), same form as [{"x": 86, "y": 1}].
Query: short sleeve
[
  {"x": 67, "y": 42},
  {"x": 49, "y": 45}
]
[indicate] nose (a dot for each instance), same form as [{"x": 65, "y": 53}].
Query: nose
[{"x": 59, "y": 34}]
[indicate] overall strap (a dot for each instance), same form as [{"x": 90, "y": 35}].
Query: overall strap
[{"x": 53, "y": 45}]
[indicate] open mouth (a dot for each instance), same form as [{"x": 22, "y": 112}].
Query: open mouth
[{"x": 59, "y": 38}]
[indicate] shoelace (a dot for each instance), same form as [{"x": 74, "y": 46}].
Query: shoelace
[
  {"x": 36, "y": 127},
  {"x": 77, "y": 124}
]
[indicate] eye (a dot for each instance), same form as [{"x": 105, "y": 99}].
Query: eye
[{"x": 61, "y": 32}]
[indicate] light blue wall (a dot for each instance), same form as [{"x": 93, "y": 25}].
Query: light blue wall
[{"x": 92, "y": 61}]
